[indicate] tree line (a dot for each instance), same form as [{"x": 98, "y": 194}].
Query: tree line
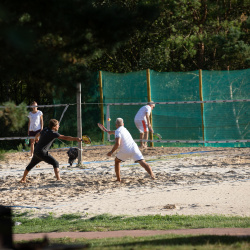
[{"x": 48, "y": 46}]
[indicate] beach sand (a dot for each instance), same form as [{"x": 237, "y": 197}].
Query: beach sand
[{"x": 189, "y": 181}]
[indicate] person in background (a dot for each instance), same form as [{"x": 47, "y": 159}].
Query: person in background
[
  {"x": 128, "y": 149},
  {"x": 142, "y": 122},
  {"x": 35, "y": 125},
  {"x": 47, "y": 137}
]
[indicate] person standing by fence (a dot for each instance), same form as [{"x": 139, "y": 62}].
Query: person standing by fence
[
  {"x": 142, "y": 122},
  {"x": 35, "y": 125}
]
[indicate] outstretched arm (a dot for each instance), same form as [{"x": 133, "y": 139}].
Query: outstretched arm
[{"x": 69, "y": 138}]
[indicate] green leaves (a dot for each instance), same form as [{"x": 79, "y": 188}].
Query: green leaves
[{"x": 14, "y": 116}]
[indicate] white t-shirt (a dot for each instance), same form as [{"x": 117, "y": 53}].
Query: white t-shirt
[
  {"x": 127, "y": 142},
  {"x": 128, "y": 148},
  {"x": 141, "y": 114},
  {"x": 35, "y": 120}
]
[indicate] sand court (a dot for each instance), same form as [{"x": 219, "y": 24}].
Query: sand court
[{"x": 189, "y": 181}]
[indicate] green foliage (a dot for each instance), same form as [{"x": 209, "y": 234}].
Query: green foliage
[
  {"x": 14, "y": 116},
  {"x": 42, "y": 49},
  {"x": 186, "y": 36}
]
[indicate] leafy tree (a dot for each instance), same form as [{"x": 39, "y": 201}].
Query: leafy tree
[
  {"x": 46, "y": 46},
  {"x": 14, "y": 116},
  {"x": 188, "y": 35}
]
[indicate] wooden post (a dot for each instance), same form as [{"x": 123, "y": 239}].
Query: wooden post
[
  {"x": 101, "y": 101},
  {"x": 149, "y": 100},
  {"x": 201, "y": 99},
  {"x": 79, "y": 122}
]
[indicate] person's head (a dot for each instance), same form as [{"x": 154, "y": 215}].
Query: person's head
[
  {"x": 34, "y": 103},
  {"x": 119, "y": 122},
  {"x": 151, "y": 104},
  {"x": 54, "y": 124}
]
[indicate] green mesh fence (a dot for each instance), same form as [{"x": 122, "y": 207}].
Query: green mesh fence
[
  {"x": 222, "y": 121},
  {"x": 226, "y": 121},
  {"x": 124, "y": 88},
  {"x": 176, "y": 121}
]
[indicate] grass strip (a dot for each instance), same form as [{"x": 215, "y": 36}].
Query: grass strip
[
  {"x": 78, "y": 223},
  {"x": 159, "y": 242}
]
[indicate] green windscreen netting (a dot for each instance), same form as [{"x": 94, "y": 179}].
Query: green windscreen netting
[
  {"x": 176, "y": 121},
  {"x": 221, "y": 121},
  {"x": 226, "y": 121},
  {"x": 124, "y": 88}
]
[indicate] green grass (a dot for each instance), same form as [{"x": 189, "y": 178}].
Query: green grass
[
  {"x": 159, "y": 242},
  {"x": 75, "y": 222},
  {"x": 105, "y": 222}
]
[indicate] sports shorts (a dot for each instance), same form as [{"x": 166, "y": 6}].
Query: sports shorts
[
  {"x": 33, "y": 133},
  {"x": 142, "y": 126},
  {"x": 134, "y": 154}
]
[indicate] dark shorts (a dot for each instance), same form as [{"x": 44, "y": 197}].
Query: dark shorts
[
  {"x": 38, "y": 157},
  {"x": 33, "y": 133}
]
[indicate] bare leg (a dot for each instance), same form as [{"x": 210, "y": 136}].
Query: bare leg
[
  {"x": 145, "y": 138},
  {"x": 57, "y": 174},
  {"x": 117, "y": 169},
  {"x": 141, "y": 138},
  {"x": 23, "y": 180},
  {"x": 32, "y": 146},
  {"x": 147, "y": 168}
]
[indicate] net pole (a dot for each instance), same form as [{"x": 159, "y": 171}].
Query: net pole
[
  {"x": 79, "y": 121},
  {"x": 201, "y": 99},
  {"x": 107, "y": 120},
  {"x": 149, "y": 100},
  {"x": 101, "y": 101}
]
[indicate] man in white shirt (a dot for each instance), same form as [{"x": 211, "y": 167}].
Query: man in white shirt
[
  {"x": 128, "y": 149},
  {"x": 142, "y": 122}
]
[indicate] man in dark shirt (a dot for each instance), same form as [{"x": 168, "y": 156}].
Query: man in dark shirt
[{"x": 47, "y": 136}]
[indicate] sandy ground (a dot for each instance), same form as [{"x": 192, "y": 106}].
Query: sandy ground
[{"x": 189, "y": 181}]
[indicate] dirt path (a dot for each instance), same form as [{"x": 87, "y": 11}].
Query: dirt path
[{"x": 241, "y": 232}]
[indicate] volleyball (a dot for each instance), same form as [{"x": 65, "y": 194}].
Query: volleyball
[{"x": 109, "y": 119}]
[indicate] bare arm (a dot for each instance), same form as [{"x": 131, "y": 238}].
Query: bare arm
[
  {"x": 69, "y": 138},
  {"x": 149, "y": 124},
  {"x": 111, "y": 132},
  {"x": 115, "y": 147},
  {"x": 41, "y": 121}
]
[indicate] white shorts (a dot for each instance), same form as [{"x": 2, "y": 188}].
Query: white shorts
[
  {"x": 142, "y": 126},
  {"x": 134, "y": 154}
]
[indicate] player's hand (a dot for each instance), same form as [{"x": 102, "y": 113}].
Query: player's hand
[{"x": 109, "y": 153}]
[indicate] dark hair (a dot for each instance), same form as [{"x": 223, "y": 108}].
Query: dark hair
[{"x": 52, "y": 123}]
